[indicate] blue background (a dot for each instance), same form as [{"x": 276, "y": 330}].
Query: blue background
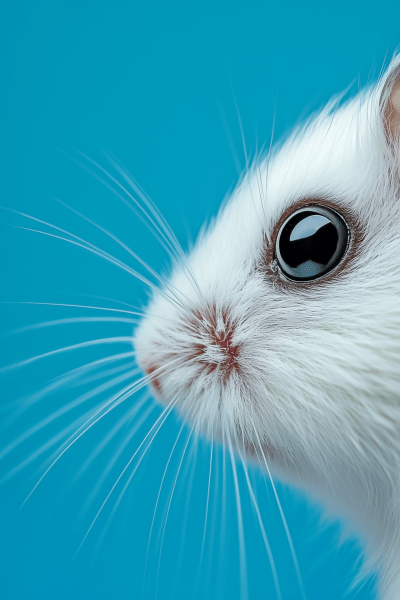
[{"x": 157, "y": 84}]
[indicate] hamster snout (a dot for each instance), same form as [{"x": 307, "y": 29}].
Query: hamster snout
[{"x": 208, "y": 341}]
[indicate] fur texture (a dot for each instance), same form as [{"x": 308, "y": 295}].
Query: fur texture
[{"x": 307, "y": 376}]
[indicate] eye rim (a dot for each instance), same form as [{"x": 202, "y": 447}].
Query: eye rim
[{"x": 355, "y": 237}]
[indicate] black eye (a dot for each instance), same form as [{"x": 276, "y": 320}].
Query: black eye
[{"x": 311, "y": 242}]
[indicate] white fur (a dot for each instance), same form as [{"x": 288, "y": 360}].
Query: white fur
[{"x": 319, "y": 377}]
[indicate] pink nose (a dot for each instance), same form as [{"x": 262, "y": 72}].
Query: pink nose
[{"x": 153, "y": 380}]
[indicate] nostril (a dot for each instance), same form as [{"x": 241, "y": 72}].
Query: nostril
[
  {"x": 215, "y": 346},
  {"x": 152, "y": 379}
]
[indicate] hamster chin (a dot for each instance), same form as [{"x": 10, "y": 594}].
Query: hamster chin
[{"x": 280, "y": 332}]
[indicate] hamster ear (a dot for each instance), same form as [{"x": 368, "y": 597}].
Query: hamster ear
[{"x": 390, "y": 105}]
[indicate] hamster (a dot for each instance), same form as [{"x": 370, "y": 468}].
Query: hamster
[{"x": 281, "y": 329}]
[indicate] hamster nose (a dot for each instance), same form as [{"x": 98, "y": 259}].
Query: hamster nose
[{"x": 155, "y": 382}]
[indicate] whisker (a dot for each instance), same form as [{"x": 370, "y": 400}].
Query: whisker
[
  {"x": 138, "y": 312},
  {"x": 128, "y": 416},
  {"x": 87, "y": 378},
  {"x": 128, "y": 392},
  {"x": 121, "y": 448},
  {"x": 171, "y": 245},
  {"x": 122, "y": 493},
  {"x": 263, "y": 533},
  {"x": 230, "y": 140},
  {"x": 180, "y": 256},
  {"x": 285, "y": 525},
  {"x": 147, "y": 221},
  {"x": 168, "y": 509},
  {"x": 114, "y": 300},
  {"x": 107, "y": 257},
  {"x": 239, "y": 120},
  {"x": 157, "y": 500},
  {"x": 213, "y": 525},
  {"x": 111, "y": 340},
  {"x": 223, "y": 518},
  {"x": 85, "y": 245},
  {"x": 207, "y": 505},
  {"x": 69, "y": 375},
  {"x": 90, "y": 248},
  {"x": 147, "y": 201},
  {"x": 118, "y": 310},
  {"x": 122, "y": 245},
  {"x": 117, "y": 399},
  {"x": 164, "y": 415},
  {"x": 34, "y": 455},
  {"x": 69, "y": 321},
  {"x": 60, "y": 412},
  {"x": 269, "y": 154},
  {"x": 246, "y": 158},
  {"x": 242, "y": 550},
  {"x": 188, "y": 476},
  {"x": 66, "y": 408}
]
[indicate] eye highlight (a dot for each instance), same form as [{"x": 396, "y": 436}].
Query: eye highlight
[{"x": 311, "y": 242}]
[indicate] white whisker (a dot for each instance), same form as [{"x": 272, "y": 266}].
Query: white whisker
[
  {"x": 168, "y": 509},
  {"x": 285, "y": 525},
  {"x": 125, "y": 247},
  {"x": 246, "y": 158},
  {"x": 242, "y": 549},
  {"x": 128, "y": 416},
  {"x": 112, "y": 462},
  {"x": 90, "y": 248},
  {"x": 137, "y": 312},
  {"x": 188, "y": 476},
  {"x": 157, "y": 500},
  {"x": 69, "y": 321},
  {"x": 27, "y": 361},
  {"x": 69, "y": 376},
  {"x": 81, "y": 243},
  {"x": 87, "y": 378},
  {"x": 117, "y": 399},
  {"x": 144, "y": 217},
  {"x": 263, "y": 533},
  {"x": 167, "y": 239},
  {"x": 147, "y": 201},
  {"x": 118, "y": 310},
  {"x": 207, "y": 505},
  {"x": 223, "y": 520},
  {"x": 177, "y": 248},
  {"x": 66, "y": 408},
  {"x": 163, "y": 415}
]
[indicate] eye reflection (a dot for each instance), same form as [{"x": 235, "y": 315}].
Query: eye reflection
[{"x": 311, "y": 242}]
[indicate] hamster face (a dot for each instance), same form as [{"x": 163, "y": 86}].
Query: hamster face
[{"x": 306, "y": 372}]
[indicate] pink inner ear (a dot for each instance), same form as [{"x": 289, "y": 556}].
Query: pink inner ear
[{"x": 392, "y": 108}]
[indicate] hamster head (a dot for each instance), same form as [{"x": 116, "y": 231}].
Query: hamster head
[
  {"x": 280, "y": 332},
  {"x": 304, "y": 367}
]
